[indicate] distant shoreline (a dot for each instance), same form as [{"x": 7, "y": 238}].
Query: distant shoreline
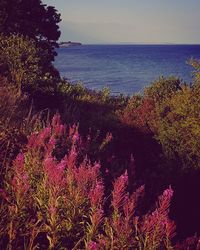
[
  {"x": 69, "y": 44},
  {"x": 124, "y": 44},
  {"x": 142, "y": 44}
]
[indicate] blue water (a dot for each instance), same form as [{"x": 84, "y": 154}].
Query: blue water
[{"x": 125, "y": 69}]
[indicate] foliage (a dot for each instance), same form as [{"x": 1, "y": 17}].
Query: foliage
[
  {"x": 139, "y": 112},
  {"x": 170, "y": 110},
  {"x": 33, "y": 19},
  {"x": 78, "y": 92},
  {"x": 196, "y": 65},
  {"x": 179, "y": 127},
  {"x": 162, "y": 89},
  {"x": 176, "y": 119},
  {"x": 11, "y": 136},
  {"x": 55, "y": 201},
  {"x": 18, "y": 119},
  {"x": 92, "y": 109},
  {"x": 19, "y": 60}
]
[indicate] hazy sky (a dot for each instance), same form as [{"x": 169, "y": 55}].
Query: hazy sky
[{"x": 129, "y": 21}]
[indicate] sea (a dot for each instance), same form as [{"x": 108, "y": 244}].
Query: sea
[{"x": 125, "y": 69}]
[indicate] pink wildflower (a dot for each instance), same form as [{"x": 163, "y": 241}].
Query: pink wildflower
[
  {"x": 93, "y": 172},
  {"x": 19, "y": 163},
  {"x": 131, "y": 202},
  {"x": 56, "y": 120},
  {"x": 37, "y": 140},
  {"x": 32, "y": 141},
  {"x": 118, "y": 192},
  {"x": 43, "y": 136},
  {"x": 75, "y": 137},
  {"x": 71, "y": 158},
  {"x": 170, "y": 227},
  {"x": 72, "y": 130},
  {"x": 93, "y": 245},
  {"x": 58, "y": 129},
  {"x": 20, "y": 181},
  {"x": 158, "y": 225},
  {"x": 96, "y": 217},
  {"x": 50, "y": 146},
  {"x": 55, "y": 173},
  {"x": 86, "y": 175},
  {"x": 164, "y": 200},
  {"x": 96, "y": 195}
]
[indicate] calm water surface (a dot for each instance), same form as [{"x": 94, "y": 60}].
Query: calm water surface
[{"x": 125, "y": 69}]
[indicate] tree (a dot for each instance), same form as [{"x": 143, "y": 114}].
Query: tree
[{"x": 35, "y": 20}]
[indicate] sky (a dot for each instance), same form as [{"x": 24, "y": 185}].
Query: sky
[{"x": 129, "y": 21}]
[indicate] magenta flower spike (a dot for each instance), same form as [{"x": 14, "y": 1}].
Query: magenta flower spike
[
  {"x": 54, "y": 172},
  {"x": 118, "y": 192},
  {"x": 93, "y": 245},
  {"x": 96, "y": 195},
  {"x": 20, "y": 181}
]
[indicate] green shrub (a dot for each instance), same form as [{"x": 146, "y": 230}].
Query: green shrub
[
  {"x": 162, "y": 88},
  {"x": 19, "y": 60},
  {"x": 196, "y": 73},
  {"x": 179, "y": 127}
]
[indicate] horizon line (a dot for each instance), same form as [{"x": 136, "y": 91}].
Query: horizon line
[
  {"x": 129, "y": 43},
  {"x": 140, "y": 43}
]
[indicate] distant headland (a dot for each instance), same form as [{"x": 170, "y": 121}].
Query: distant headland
[{"x": 69, "y": 44}]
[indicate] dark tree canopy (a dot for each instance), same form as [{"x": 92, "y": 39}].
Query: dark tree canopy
[{"x": 34, "y": 19}]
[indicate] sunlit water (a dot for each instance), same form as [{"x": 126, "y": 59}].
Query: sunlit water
[{"x": 125, "y": 69}]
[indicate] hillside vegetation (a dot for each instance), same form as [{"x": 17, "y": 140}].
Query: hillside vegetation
[{"x": 83, "y": 169}]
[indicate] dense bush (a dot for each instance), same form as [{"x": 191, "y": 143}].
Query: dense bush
[
  {"x": 175, "y": 118},
  {"x": 139, "y": 112},
  {"x": 19, "y": 60},
  {"x": 179, "y": 127},
  {"x": 52, "y": 201},
  {"x": 162, "y": 89}
]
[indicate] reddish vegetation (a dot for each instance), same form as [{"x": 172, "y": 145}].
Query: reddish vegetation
[{"x": 139, "y": 113}]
